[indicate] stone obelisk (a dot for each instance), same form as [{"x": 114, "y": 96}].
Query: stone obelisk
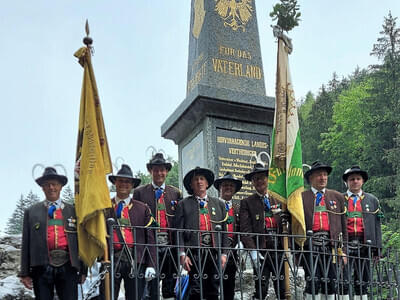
[{"x": 226, "y": 117}]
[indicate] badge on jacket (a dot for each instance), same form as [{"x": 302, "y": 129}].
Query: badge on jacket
[
  {"x": 71, "y": 222},
  {"x": 257, "y": 217}
]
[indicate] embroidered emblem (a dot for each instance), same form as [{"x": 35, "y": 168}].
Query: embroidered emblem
[
  {"x": 36, "y": 226},
  {"x": 257, "y": 217}
]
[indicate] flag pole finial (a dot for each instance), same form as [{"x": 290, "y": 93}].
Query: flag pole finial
[{"x": 87, "y": 40}]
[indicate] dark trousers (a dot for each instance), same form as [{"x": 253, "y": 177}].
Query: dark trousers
[
  {"x": 324, "y": 273},
  {"x": 167, "y": 262},
  {"x": 134, "y": 282},
  {"x": 64, "y": 279},
  {"x": 229, "y": 278},
  {"x": 203, "y": 276},
  {"x": 270, "y": 265},
  {"x": 357, "y": 272}
]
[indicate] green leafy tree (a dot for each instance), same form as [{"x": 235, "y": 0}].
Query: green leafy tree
[
  {"x": 287, "y": 13},
  {"x": 384, "y": 108},
  {"x": 15, "y": 222},
  {"x": 144, "y": 177},
  {"x": 173, "y": 174}
]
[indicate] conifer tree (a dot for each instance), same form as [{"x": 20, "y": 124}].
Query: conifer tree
[{"x": 15, "y": 222}]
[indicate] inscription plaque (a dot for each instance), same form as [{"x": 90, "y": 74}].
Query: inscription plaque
[{"x": 235, "y": 150}]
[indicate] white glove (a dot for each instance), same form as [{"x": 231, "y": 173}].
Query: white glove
[
  {"x": 239, "y": 246},
  {"x": 150, "y": 274},
  {"x": 254, "y": 254}
]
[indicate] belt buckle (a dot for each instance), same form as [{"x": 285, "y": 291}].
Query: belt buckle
[
  {"x": 162, "y": 238},
  {"x": 206, "y": 239},
  {"x": 58, "y": 258}
]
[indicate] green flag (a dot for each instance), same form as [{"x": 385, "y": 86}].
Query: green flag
[{"x": 285, "y": 182}]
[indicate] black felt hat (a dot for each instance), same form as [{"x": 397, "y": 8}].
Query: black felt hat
[
  {"x": 187, "y": 180},
  {"x": 317, "y": 165},
  {"x": 125, "y": 172},
  {"x": 158, "y": 160},
  {"x": 228, "y": 177},
  {"x": 257, "y": 169},
  {"x": 355, "y": 170},
  {"x": 49, "y": 174}
]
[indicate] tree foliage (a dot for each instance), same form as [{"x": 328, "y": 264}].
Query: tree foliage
[
  {"x": 68, "y": 195},
  {"x": 355, "y": 120},
  {"x": 15, "y": 222},
  {"x": 287, "y": 13}
]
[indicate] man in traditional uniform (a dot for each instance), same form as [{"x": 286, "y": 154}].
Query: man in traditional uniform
[
  {"x": 260, "y": 213},
  {"x": 162, "y": 200},
  {"x": 134, "y": 257},
  {"x": 198, "y": 253},
  {"x": 325, "y": 215},
  {"x": 363, "y": 224},
  {"x": 228, "y": 186},
  {"x": 49, "y": 253}
]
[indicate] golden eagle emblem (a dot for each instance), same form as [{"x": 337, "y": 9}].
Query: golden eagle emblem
[{"x": 235, "y": 14}]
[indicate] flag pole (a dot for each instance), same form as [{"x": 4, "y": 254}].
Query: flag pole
[
  {"x": 88, "y": 41},
  {"x": 285, "y": 231}
]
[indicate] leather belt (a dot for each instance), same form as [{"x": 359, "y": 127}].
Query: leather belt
[
  {"x": 320, "y": 238},
  {"x": 162, "y": 238},
  {"x": 58, "y": 258}
]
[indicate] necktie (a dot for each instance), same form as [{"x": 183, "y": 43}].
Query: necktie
[
  {"x": 267, "y": 204},
  {"x": 318, "y": 198},
  {"x": 227, "y": 206},
  {"x": 202, "y": 202},
  {"x": 355, "y": 198},
  {"x": 158, "y": 192},
  {"x": 119, "y": 209},
  {"x": 50, "y": 211}
]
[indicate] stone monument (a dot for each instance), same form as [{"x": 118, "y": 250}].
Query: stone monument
[{"x": 226, "y": 117}]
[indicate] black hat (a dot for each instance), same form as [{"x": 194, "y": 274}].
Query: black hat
[
  {"x": 257, "y": 168},
  {"x": 317, "y": 165},
  {"x": 125, "y": 172},
  {"x": 187, "y": 180},
  {"x": 228, "y": 177},
  {"x": 51, "y": 173},
  {"x": 158, "y": 160},
  {"x": 355, "y": 170}
]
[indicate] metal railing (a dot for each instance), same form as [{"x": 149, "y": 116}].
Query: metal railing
[{"x": 319, "y": 265}]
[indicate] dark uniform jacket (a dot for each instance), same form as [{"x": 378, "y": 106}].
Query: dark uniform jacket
[
  {"x": 371, "y": 221},
  {"x": 252, "y": 220},
  {"x": 187, "y": 217},
  {"x": 34, "y": 250},
  {"x": 145, "y": 193},
  {"x": 336, "y": 215},
  {"x": 139, "y": 215}
]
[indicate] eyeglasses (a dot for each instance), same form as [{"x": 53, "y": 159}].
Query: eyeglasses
[{"x": 51, "y": 184}]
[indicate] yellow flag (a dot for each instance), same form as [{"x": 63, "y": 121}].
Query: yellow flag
[{"x": 93, "y": 162}]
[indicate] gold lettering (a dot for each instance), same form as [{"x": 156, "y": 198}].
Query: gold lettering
[{"x": 236, "y": 69}]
